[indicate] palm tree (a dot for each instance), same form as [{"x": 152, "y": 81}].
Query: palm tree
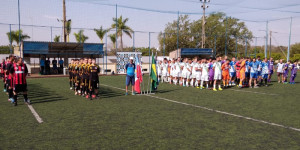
[
  {"x": 113, "y": 39},
  {"x": 100, "y": 33},
  {"x": 14, "y": 36},
  {"x": 56, "y": 38},
  {"x": 122, "y": 27},
  {"x": 80, "y": 37},
  {"x": 68, "y": 30}
]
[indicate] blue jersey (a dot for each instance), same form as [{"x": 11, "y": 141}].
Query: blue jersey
[
  {"x": 130, "y": 69},
  {"x": 254, "y": 67},
  {"x": 259, "y": 65},
  {"x": 265, "y": 67},
  {"x": 247, "y": 66},
  {"x": 232, "y": 65}
]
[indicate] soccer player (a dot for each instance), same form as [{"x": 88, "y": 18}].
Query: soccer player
[
  {"x": 184, "y": 71},
  {"x": 294, "y": 72},
  {"x": 172, "y": 71},
  {"x": 238, "y": 68},
  {"x": 265, "y": 71},
  {"x": 204, "y": 74},
  {"x": 9, "y": 79},
  {"x": 211, "y": 72},
  {"x": 225, "y": 73},
  {"x": 253, "y": 73},
  {"x": 177, "y": 71},
  {"x": 259, "y": 71},
  {"x": 70, "y": 68},
  {"x": 271, "y": 68},
  {"x": 247, "y": 72},
  {"x": 189, "y": 72},
  {"x": 164, "y": 73},
  {"x": 242, "y": 71},
  {"x": 194, "y": 64},
  {"x": 280, "y": 70},
  {"x": 232, "y": 71},
  {"x": 159, "y": 68},
  {"x": 94, "y": 71},
  {"x": 19, "y": 72},
  {"x": 130, "y": 69},
  {"x": 286, "y": 72},
  {"x": 198, "y": 69},
  {"x": 3, "y": 72},
  {"x": 217, "y": 67}
]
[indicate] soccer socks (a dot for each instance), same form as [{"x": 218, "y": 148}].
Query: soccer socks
[
  {"x": 15, "y": 98},
  {"x": 201, "y": 84},
  {"x": 214, "y": 86},
  {"x": 70, "y": 84},
  {"x": 266, "y": 81},
  {"x": 25, "y": 97},
  {"x": 10, "y": 93}
]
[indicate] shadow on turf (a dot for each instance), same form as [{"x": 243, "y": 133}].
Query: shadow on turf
[
  {"x": 108, "y": 93},
  {"x": 38, "y": 94}
]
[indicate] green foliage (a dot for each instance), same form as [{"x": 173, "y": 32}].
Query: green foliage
[
  {"x": 4, "y": 49},
  {"x": 80, "y": 37},
  {"x": 122, "y": 28},
  {"x": 100, "y": 33},
  {"x": 296, "y": 57},
  {"x": 216, "y": 24},
  {"x": 14, "y": 36},
  {"x": 295, "y": 49},
  {"x": 113, "y": 39},
  {"x": 56, "y": 38},
  {"x": 68, "y": 30}
]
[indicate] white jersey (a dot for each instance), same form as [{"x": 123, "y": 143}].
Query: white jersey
[
  {"x": 184, "y": 65},
  {"x": 158, "y": 66},
  {"x": 218, "y": 68},
  {"x": 177, "y": 67},
  {"x": 205, "y": 67},
  {"x": 280, "y": 67},
  {"x": 164, "y": 69},
  {"x": 194, "y": 64}
]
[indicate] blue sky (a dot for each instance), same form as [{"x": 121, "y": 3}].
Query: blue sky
[{"x": 92, "y": 14}]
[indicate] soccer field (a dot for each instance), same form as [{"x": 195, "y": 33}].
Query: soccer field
[{"x": 174, "y": 118}]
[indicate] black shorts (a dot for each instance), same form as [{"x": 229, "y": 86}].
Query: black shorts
[
  {"x": 70, "y": 75},
  {"x": 94, "y": 84},
  {"x": 9, "y": 82},
  {"x": 20, "y": 88}
]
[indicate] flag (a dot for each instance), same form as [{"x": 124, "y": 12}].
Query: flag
[
  {"x": 153, "y": 74},
  {"x": 138, "y": 75}
]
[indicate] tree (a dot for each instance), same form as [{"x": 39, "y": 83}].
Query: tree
[
  {"x": 217, "y": 25},
  {"x": 4, "y": 49},
  {"x": 14, "y": 36},
  {"x": 68, "y": 29},
  {"x": 80, "y": 37},
  {"x": 122, "y": 27},
  {"x": 100, "y": 33},
  {"x": 113, "y": 39},
  {"x": 56, "y": 38},
  {"x": 295, "y": 49}
]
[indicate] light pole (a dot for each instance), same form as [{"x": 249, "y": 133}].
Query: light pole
[
  {"x": 271, "y": 42},
  {"x": 204, "y": 6}
]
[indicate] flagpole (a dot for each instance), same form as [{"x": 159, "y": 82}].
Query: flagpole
[
  {"x": 149, "y": 61},
  {"x": 149, "y": 74}
]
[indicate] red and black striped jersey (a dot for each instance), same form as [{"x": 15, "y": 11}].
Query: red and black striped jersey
[{"x": 19, "y": 73}]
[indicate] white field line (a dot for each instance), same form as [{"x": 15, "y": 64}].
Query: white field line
[
  {"x": 254, "y": 92},
  {"x": 35, "y": 114},
  {"x": 218, "y": 111}
]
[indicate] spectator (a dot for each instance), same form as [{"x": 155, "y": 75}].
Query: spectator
[
  {"x": 54, "y": 64},
  {"x": 42, "y": 66},
  {"x": 47, "y": 66},
  {"x": 61, "y": 64}
]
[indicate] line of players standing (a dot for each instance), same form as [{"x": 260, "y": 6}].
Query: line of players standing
[
  {"x": 245, "y": 72},
  {"x": 13, "y": 73},
  {"x": 84, "y": 77}
]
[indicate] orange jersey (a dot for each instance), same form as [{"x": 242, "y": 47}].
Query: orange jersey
[
  {"x": 243, "y": 66},
  {"x": 225, "y": 69}
]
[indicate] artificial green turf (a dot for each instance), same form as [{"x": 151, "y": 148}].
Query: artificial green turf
[{"x": 140, "y": 122}]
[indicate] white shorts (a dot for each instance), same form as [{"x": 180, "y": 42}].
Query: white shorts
[
  {"x": 198, "y": 76},
  {"x": 218, "y": 76},
  {"x": 159, "y": 73},
  {"x": 184, "y": 74},
  {"x": 204, "y": 77},
  {"x": 188, "y": 75},
  {"x": 164, "y": 74}
]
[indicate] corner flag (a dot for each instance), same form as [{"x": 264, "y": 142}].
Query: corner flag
[
  {"x": 138, "y": 75},
  {"x": 153, "y": 75}
]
